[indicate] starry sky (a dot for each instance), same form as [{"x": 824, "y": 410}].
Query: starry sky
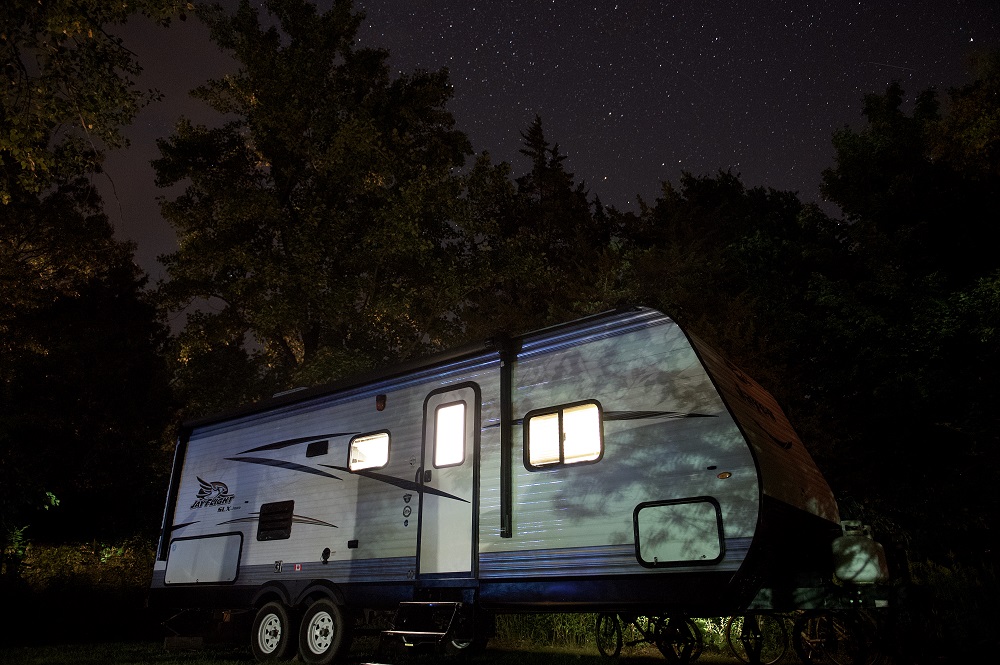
[{"x": 634, "y": 92}]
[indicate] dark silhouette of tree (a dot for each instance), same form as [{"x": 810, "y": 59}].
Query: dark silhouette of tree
[
  {"x": 541, "y": 249},
  {"x": 316, "y": 220},
  {"x": 84, "y": 390},
  {"x": 920, "y": 193},
  {"x": 68, "y": 87}
]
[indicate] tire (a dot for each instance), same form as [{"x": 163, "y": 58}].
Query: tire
[
  {"x": 323, "y": 633},
  {"x": 472, "y": 631},
  {"x": 830, "y": 638},
  {"x": 271, "y": 637},
  {"x": 609, "y": 635},
  {"x": 467, "y": 646},
  {"x": 771, "y": 637}
]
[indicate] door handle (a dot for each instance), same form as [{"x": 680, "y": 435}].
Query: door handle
[{"x": 427, "y": 476}]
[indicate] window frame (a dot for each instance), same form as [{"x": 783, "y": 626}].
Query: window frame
[
  {"x": 388, "y": 449},
  {"x": 560, "y": 410},
  {"x": 689, "y": 501}
]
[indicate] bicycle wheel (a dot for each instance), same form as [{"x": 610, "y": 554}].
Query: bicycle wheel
[
  {"x": 760, "y": 633},
  {"x": 699, "y": 641},
  {"x": 827, "y": 637},
  {"x": 609, "y": 635},
  {"x": 678, "y": 639}
]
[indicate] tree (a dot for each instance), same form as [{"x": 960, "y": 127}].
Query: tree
[
  {"x": 735, "y": 264},
  {"x": 83, "y": 392},
  {"x": 82, "y": 384},
  {"x": 69, "y": 87},
  {"x": 544, "y": 254},
  {"x": 315, "y": 221},
  {"x": 920, "y": 193}
]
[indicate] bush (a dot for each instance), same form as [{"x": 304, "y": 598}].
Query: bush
[
  {"x": 124, "y": 568},
  {"x": 98, "y": 589}
]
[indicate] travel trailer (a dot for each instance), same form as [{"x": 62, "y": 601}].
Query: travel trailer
[{"x": 611, "y": 464}]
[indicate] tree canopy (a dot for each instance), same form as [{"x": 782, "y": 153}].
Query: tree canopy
[
  {"x": 314, "y": 213},
  {"x": 82, "y": 384},
  {"x": 69, "y": 87}
]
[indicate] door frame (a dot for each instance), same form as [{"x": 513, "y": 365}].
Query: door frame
[{"x": 440, "y": 397}]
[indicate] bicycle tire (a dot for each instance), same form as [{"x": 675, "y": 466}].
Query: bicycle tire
[
  {"x": 609, "y": 635},
  {"x": 771, "y": 631}
]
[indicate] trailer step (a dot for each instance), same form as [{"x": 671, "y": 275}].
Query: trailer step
[{"x": 418, "y": 623}]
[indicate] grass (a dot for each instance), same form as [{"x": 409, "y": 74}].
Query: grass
[{"x": 363, "y": 651}]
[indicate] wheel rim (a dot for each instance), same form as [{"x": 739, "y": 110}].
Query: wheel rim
[
  {"x": 320, "y": 635},
  {"x": 269, "y": 634}
]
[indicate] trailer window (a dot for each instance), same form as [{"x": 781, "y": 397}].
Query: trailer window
[
  {"x": 369, "y": 451},
  {"x": 449, "y": 434},
  {"x": 566, "y": 435}
]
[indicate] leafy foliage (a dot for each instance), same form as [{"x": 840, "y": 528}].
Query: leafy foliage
[
  {"x": 540, "y": 252},
  {"x": 920, "y": 191},
  {"x": 69, "y": 87},
  {"x": 82, "y": 385},
  {"x": 313, "y": 216}
]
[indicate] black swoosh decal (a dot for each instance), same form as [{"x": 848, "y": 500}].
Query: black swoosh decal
[
  {"x": 278, "y": 445},
  {"x": 291, "y": 466},
  {"x": 398, "y": 482},
  {"x": 642, "y": 415},
  {"x": 296, "y": 519}
]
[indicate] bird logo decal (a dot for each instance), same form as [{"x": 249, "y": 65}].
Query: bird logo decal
[{"x": 213, "y": 493}]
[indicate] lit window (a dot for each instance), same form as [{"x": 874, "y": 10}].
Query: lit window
[
  {"x": 568, "y": 435},
  {"x": 369, "y": 451},
  {"x": 449, "y": 434}
]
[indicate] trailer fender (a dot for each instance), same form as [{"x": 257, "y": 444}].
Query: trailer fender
[
  {"x": 320, "y": 589},
  {"x": 272, "y": 591}
]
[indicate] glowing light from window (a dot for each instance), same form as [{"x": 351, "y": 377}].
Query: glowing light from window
[
  {"x": 581, "y": 434},
  {"x": 543, "y": 435},
  {"x": 449, "y": 435},
  {"x": 369, "y": 451},
  {"x": 569, "y": 436}
]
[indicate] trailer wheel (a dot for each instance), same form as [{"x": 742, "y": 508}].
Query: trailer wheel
[
  {"x": 272, "y": 633},
  {"x": 323, "y": 633},
  {"x": 467, "y": 645}
]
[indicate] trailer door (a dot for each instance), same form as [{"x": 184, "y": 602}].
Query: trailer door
[{"x": 447, "y": 478}]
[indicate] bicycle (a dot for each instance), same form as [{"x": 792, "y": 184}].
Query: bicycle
[
  {"x": 830, "y": 636},
  {"x": 677, "y": 638}
]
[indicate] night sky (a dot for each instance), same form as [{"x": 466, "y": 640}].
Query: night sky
[{"x": 633, "y": 91}]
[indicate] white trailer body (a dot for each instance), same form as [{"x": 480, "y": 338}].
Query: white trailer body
[{"x": 615, "y": 463}]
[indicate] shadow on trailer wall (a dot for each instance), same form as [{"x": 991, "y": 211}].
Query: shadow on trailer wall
[{"x": 612, "y": 465}]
